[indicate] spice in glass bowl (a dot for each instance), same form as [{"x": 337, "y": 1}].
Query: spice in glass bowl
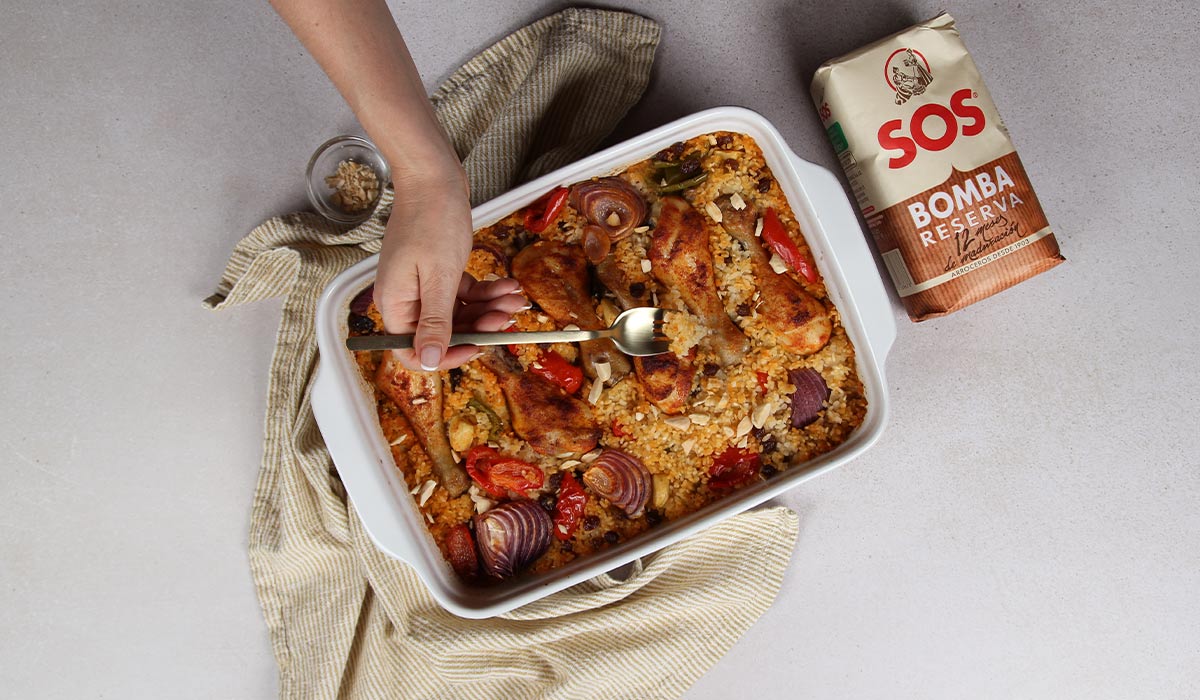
[{"x": 355, "y": 186}]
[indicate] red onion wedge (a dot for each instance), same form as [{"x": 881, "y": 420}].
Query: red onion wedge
[
  {"x": 620, "y": 479},
  {"x": 610, "y": 203},
  {"x": 362, "y": 302},
  {"x": 511, "y": 536},
  {"x": 810, "y": 396}
]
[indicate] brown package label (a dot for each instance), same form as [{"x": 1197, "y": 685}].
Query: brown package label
[{"x": 935, "y": 174}]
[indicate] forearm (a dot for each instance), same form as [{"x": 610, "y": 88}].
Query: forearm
[{"x": 359, "y": 47}]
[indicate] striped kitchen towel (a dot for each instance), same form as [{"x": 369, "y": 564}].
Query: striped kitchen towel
[{"x": 347, "y": 621}]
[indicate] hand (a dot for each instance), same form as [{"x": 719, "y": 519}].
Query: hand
[{"x": 421, "y": 283}]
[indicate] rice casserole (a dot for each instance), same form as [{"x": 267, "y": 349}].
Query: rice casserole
[{"x": 745, "y": 408}]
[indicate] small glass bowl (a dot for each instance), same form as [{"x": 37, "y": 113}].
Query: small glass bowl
[{"x": 325, "y": 162}]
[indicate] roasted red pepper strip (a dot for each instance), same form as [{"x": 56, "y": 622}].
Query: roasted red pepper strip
[
  {"x": 776, "y": 236},
  {"x": 497, "y": 474},
  {"x": 512, "y": 348},
  {"x": 568, "y": 510},
  {"x": 555, "y": 368},
  {"x": 460, "y": 552},
  {"x": 763, "y": 378},
  {"x": 618, "y": 429},
  {"x": 545, "y": 211},
  {"x": 733, "y": 467}
]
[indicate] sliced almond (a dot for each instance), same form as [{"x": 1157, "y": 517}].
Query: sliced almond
[
  {"x": 592, "y": 456},
  {"x": 678, "y": 422},
  {"x": 714, "y": 212},
  {"x": 758, "y": 227},
  {"x": 399, "y": 440},
  {"x": 646, "y": 266},
  {"x": 763, "y": 411},
  {"x": 641, "y": 229},
  {"x": 687, "y": 445},
  {"x": 427, "y": 491},
  {"x": 570, "y": 327},
  {"x": 777, "y": 264},
  {"x": 418, "y": 401},
  {"x": 570, "y": 464},
  {"x": 638, "y": 416},
  {"x": 596, "y": 390},
  {"x": 736, "y": 201},
  {"x": 743, "y": 427},
  {"x": 564, "y": 455},
  {"x": 613, "y": 219},
  {"x": 481, "y": 502},
  {"x": 603, "y": 370},
  {"x": 429, "y": 517},
  {"x": 700, "y": 418}
]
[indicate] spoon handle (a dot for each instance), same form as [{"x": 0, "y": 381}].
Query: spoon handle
[{"x": 395, "y": 342}]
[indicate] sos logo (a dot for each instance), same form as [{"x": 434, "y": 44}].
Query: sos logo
[{"x": 947, "y": 122}]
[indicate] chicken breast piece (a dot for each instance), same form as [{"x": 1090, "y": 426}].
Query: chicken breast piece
[{"x": 419, "y": 396}]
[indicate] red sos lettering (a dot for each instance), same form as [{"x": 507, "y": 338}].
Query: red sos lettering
[{"x": 907, "y": 146}]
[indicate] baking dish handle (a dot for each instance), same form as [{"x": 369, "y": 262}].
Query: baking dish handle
[
  {"x": 370, "y": 488},
  {"x": 853, "y": 255}
]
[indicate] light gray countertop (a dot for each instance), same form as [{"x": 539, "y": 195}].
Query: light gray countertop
[{"x": 1027, "y": 527}]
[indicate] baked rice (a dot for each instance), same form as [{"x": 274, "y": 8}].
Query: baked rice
[{"x": 745, "y": 405}]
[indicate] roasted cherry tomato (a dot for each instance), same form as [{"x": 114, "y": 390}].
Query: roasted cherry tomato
[
  {"x": 497, "y": 474},
  {"x": 460, "y": 551},
  {"x": 776, "y": 236},
  {"x": 568, "y": 509},
  {"x": 555, "y": 368},
  {"x": 762, "y": 381},
  {"x": 733, "y": 467},
  {"x": 545, "y": 211}
]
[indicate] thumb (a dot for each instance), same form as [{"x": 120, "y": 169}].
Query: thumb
[{"x": 439, "y": 290}]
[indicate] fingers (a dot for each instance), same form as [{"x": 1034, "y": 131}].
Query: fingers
[
  {"x": 458, "y": 355},
  {"x": 470, "y": 290},
  {"x": 438, "y": 299},
  {"x": 507, "y": 305},
  {"x": 488, "y": 322}
]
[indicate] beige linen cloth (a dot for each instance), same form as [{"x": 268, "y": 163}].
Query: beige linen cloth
[{"x": 347, "y": 621}]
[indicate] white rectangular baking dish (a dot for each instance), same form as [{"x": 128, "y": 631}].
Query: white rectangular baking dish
[{"x": 347, "y": 418}]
